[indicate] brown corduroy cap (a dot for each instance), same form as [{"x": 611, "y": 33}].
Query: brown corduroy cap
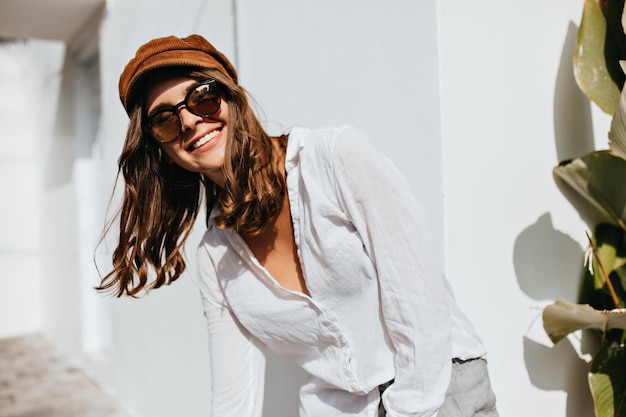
[{"x": 170, "y": 51}]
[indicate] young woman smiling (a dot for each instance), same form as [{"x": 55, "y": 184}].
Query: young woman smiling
[{"x": 314, "y": 248}]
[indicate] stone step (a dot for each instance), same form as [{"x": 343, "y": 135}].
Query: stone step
[{"x": 37, "y": 380}]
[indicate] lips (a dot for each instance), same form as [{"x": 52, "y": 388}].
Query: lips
[{"x": 204, "y": 139}]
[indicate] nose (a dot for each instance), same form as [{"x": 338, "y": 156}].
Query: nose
[{"x": 187, "y": 119}]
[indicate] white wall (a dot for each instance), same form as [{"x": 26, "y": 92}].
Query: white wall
[
  {"x": 510, "y": 112},
  {"x": 371, "y": 64},
  {"x": 474, "y": 101},
  {"x": 18, "y": 240},
  {"x": 29, "y": 75}
]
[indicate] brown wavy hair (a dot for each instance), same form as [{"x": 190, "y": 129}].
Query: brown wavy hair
[{"x": 161, "y": 200}]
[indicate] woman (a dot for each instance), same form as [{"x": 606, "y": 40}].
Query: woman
[{"x": 314, "y": 249}]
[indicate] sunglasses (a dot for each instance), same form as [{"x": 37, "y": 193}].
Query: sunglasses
[{"x": 203, "y": 100}]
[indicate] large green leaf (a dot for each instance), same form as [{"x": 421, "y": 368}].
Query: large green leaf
[
  {"x": 596, "y": 61},
  {"x": 617, "y": 134},
  {"x": 589, "y": 294},
  {"x": 615, "y": 45},
  {"x": 611, "y": 249},
  {"x": 607, "y": 381},
  {"x": 595, "y": 186},
  {"x": 563, "y": 317},
  {"x": 623, "y": 21}
]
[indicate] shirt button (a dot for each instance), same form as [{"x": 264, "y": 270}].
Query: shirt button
[
  {"x": 296, "y": 215},
  {"x": 354, "y": 386},
  {"x": 343, "y": 341}
]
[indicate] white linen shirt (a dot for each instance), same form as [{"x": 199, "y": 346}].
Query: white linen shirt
[{"x": 379, "y": 307}]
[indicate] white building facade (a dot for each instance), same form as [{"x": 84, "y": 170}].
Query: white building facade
[{"x": 474, "y": 101}]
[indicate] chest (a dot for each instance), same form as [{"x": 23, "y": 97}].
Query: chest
[
  {"x": 276, "y": 250},
  {"x": 312, "y": 248}
]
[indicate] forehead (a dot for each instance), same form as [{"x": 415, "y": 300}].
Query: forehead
[{"x": 167, "y": 91}]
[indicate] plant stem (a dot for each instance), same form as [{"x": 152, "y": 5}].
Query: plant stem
[{"x": 606, "y": 276}]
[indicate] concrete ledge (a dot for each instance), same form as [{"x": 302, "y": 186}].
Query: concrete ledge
[{"x": 36, "y": 380}]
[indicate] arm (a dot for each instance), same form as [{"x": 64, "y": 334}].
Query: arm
[
  {"x": 412, "y": 290},
  {"x": 237, "y": 358}
]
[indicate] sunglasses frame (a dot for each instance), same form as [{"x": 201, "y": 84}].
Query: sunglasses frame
[{"x": 176, "y": 109}]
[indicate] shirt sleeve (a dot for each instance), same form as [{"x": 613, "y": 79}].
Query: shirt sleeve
[
  {"x": 413, "y": 295},
  {"x": 237, "y": 358}
]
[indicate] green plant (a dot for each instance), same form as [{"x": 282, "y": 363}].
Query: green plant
[{"x": 596, "y": 185}]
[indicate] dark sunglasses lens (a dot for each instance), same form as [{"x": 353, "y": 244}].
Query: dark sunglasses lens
[
  {"x": 165, "y": 126},
  {"x": 204, "y": 100}
]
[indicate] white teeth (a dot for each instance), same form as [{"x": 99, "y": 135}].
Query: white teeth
[{"x": 204, "y": 139}]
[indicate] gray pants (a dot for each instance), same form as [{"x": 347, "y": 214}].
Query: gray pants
[{"x": 469, "y": 393}]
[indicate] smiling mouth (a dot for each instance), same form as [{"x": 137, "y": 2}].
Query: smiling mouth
[{"x": 204, "y": 139}]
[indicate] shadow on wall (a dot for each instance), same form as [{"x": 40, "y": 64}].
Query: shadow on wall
[
  {"x": 573, "y": 128},
  {"x": 548, "y": 266},
  {"x": 58, "y": 163},
  {"x": 548, "y": 263},
  {"x": 559, "y": 368}
]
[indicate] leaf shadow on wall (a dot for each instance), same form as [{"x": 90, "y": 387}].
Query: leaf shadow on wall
[
  {"x": 549, "y": 263},
  {"x": 573, "y": 127},
  {"x": 548, "y": 266}
]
